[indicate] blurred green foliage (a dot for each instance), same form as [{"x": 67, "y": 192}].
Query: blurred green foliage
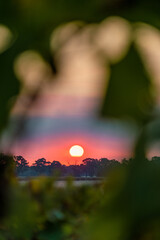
[
  {"x": 124, "y": 206},
  {"x": 129, "y": 92},
  {"x": 127, "y": 206},
  {"x": 40, "y": 210}
]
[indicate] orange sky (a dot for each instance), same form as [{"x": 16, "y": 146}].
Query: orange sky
[{"x": 57, "y": 147}]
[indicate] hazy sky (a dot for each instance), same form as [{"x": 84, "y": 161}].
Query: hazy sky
[{"x": 66, "y": 112}]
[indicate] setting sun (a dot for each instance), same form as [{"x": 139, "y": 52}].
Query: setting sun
[{"x": 76, "y": 151}]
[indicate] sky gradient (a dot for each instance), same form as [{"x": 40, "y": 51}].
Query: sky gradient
[
  {"x": 67, "y": 109},
  {"x": 52, "y": 138}
]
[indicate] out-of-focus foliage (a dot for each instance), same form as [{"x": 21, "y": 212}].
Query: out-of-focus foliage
[
  {"x": 124, "y": 206},
  {"x": 127, "y": 206},
  {"x": 131, "y": 208},
  {"x": 39, "y": 210},
  {"x": 129, "y": 92}
]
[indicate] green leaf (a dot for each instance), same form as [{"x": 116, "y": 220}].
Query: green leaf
[
  {"x": 50, "y": 234},
  {"x": 129, "y": 90},
  {"x": 9, "y": 85}
]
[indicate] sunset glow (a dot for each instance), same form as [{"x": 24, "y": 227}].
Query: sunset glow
[{"x": 76, "y": 151}]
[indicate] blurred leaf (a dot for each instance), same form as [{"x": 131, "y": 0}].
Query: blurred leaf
[
  {"x": 9, "y": 84},
  {"x": 138, "y": 11},
  {"x": 55, "y": 215},
  {"x": 50, "y": 235},
  {"x": 129, "y": 91},
  {"x": 6, "y": 174},
  {"x": 23, "y": 219},
  {"x": 130, "y": 208}
]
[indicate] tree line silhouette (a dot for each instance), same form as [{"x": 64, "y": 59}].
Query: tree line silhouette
[{"x": 90, "y": 167}]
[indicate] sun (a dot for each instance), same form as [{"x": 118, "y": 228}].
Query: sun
[{"x": 76, "y": 151}]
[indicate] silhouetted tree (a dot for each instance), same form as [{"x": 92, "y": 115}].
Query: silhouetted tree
[
  {"x": 21, "y": 164},
  {"x": 41, "y": 162},
  {"x": 56, "y": 167},
  {"x": 56, "y": 164},
  {"x": 42, "y": 166},
  {"x": 91, "y": 166}
]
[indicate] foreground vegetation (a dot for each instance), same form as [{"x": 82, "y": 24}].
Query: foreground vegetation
[{"x": 125, "y": 206}]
